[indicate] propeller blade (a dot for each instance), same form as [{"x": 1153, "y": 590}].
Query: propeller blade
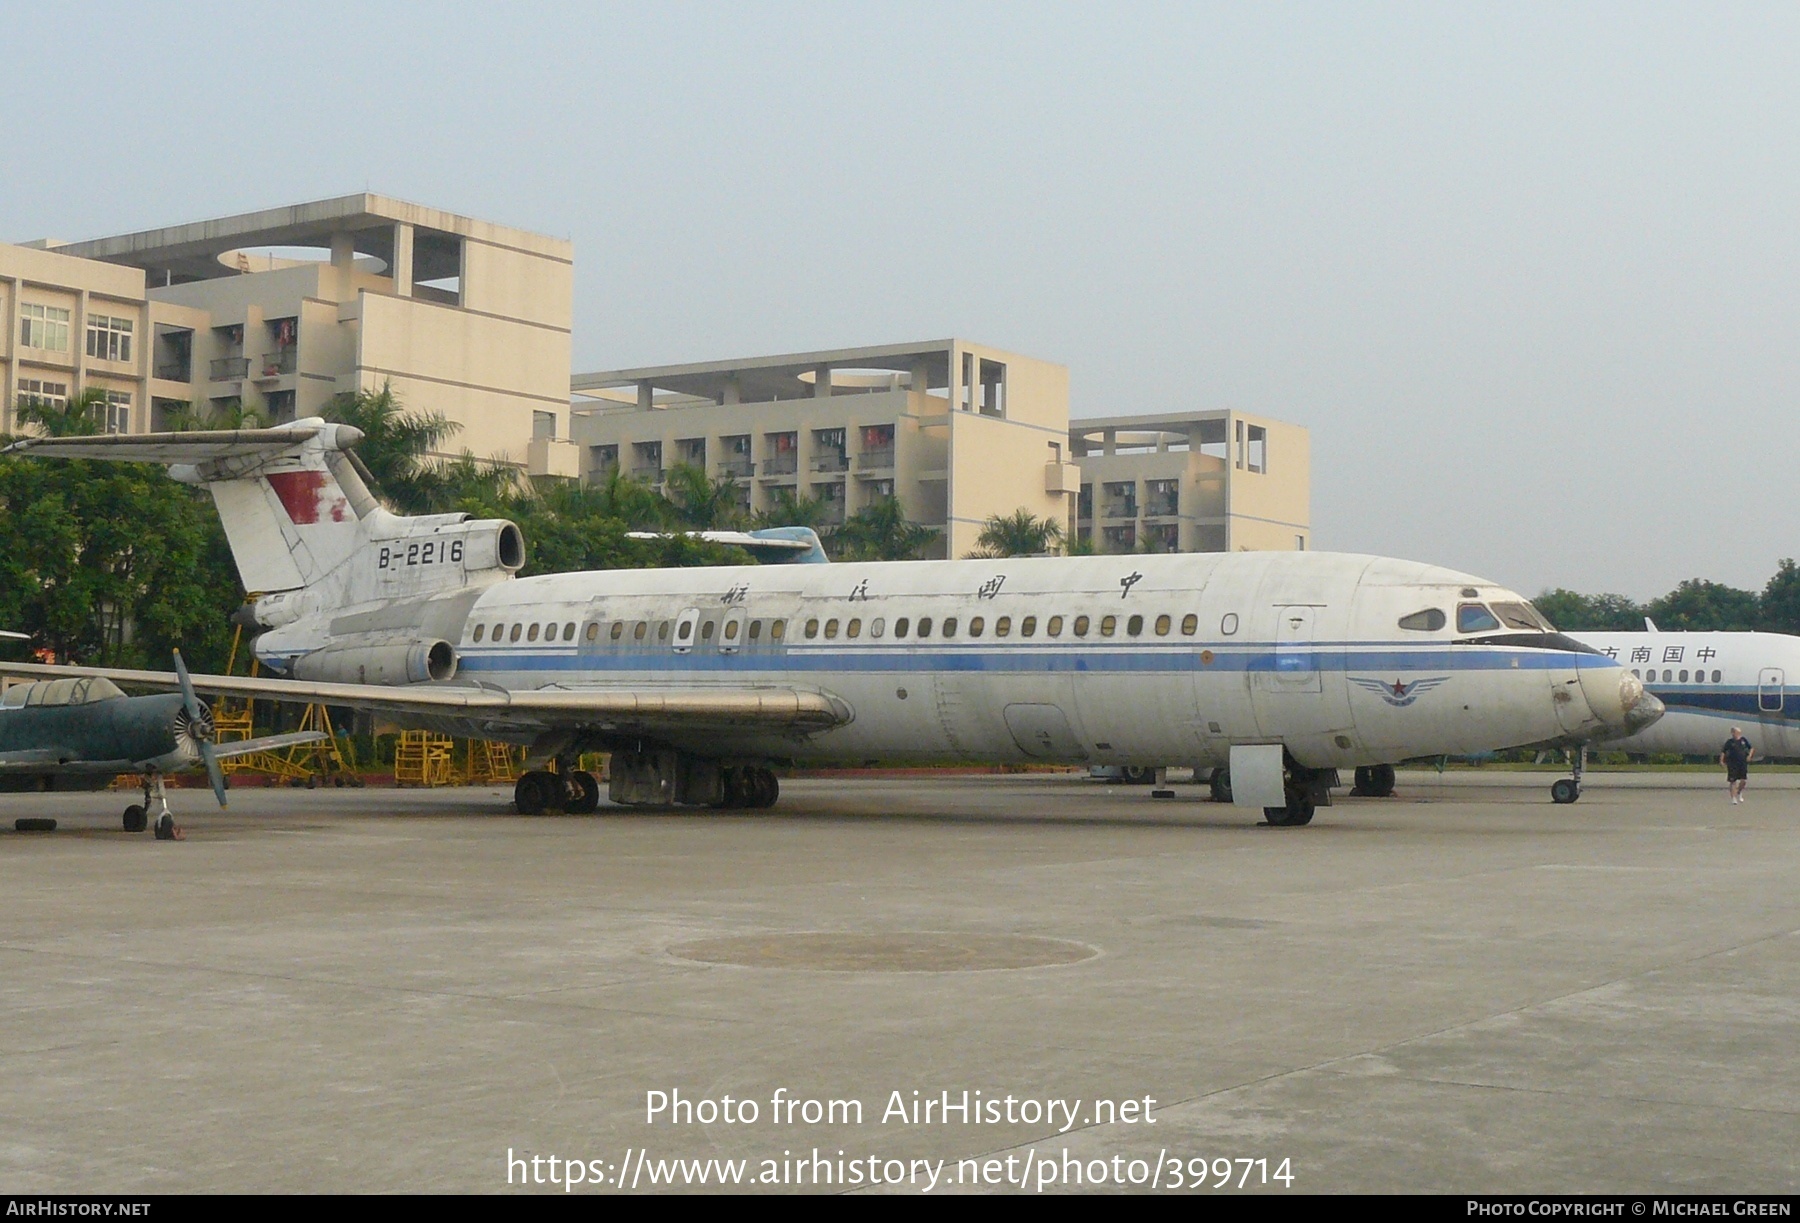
[{"x": 213, "y": 773}]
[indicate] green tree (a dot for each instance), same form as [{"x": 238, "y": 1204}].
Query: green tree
[
  {"x": 1575, "y": 612},
  {"x": 1778, "y": 611},
  {"x": 880, "y": 532},
  {"x": 396, "y": 443},
  {"x": 796, "y": 511},
  {"x": 1698, "y": 605},
  {"x": 701, "y": 503},
  {"x": 1020, "y": 533},
  {"x": 78, "y": 416}
]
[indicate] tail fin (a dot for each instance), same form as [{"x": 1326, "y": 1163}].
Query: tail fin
[{"x": 297, "y": 513}]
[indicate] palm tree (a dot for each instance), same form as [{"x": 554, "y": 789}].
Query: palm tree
[
  {"x": 78, "y": 416},
  {"x": 702, "y": 503},
  {"x": 395, "y": 441},
  {"x": 880, "y": 532},
  {"x": 792, "y": 511},
  {"x": 221, "y": 414},
  {"x": 1020, "y": 533}
]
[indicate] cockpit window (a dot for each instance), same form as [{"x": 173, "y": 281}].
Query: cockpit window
[
  {"x": 1428, "y": 621},
  {"x": 1474, "y": 618},
  {"x": 1521, "y": 615}
]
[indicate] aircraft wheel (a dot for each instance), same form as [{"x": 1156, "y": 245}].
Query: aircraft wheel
[
  {"x": 1137, "y": 775},
  {"x": 587, "y": 794},
  {"x": 1297, "y": 814},
  {"x": 1564, "y": 790},
  {"x": 1382, "y": 775},
  {"x": 765, "y": 789},
  {"x": 136, "y": 818},
  {"x": 1221, "y": 786},
  {"x": 530, "y": 795},
  {"x": 165, "y": 828}
]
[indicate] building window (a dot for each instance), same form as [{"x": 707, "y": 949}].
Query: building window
[
  {"x": 44, "y": 393},
  {"x": 281, "y": 405},
  {"x": 543, "y": 425},
  {"x": 108, "y": 338},
  {"x": 114, "y": 416},
  {"x": 45, "y": 327}
]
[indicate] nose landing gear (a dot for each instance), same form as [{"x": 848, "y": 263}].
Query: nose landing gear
[{"x": 1567, "y": 789}]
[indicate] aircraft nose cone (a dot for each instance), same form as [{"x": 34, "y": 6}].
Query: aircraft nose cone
[{"x": 1620, "y": 700}]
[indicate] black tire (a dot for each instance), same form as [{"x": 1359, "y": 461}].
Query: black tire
[
  {"x": 1297, "y": 814},
  {"x": 587, "y": 794},
  {"x": 136, "y": 818},
  {"x": 1564, "y": 791},
  {"x": 1137, "y": 775},
  {"x": 1221, "y": 786},
  {"x": 1363, "y": 786},
  {"x": 1382, "y": 775},
  {"x": 165, "y": 828},
  {"x": 765, "y": 788},
  {"x": 529, "y": 794},
  {"x": 34, "y": 823}
]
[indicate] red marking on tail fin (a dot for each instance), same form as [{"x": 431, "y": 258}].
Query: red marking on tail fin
[{"x": 306, "y": 495}]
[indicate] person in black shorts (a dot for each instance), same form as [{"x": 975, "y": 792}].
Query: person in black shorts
[{"x": 1735, "y": 756}]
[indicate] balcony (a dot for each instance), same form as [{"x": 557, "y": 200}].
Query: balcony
[
  {"x": 781, "y": 465},
  {"x": 1119, "y": 509},
  {"x": 1162, "y": 507},
  {"x": 281, "y": 361},
  {"x": 175, "y": 371},
  {"x": 647, "y": 475},
  {"x": 229, "y": 369},
  {"x": 831, "y": 462},
  {"x": 546, "y": 456},
  {"x": 741, "y": 469},
  {"x": 879, "y": 459}
]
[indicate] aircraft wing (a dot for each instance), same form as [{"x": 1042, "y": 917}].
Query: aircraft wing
[
  {"x": 610, "y": 707},
  {"x": 268, "y": 743}
]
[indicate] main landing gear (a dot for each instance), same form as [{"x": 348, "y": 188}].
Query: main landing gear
[
  {"x": 1306, "y": 790},
  {"x": 1374, "y": 781},
  {"x": 137, "y": 817},
  {"x": 1568, "y": 789},
  {"x": 749, "y": 786},
  {"x": 576, "y": 792}
]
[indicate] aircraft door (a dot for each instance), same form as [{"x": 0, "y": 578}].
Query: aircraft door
[
  {"x": 1293, "y": 702},
  {"x": 1296, "y": 664},
  {"x": 685, "y": 628},
  {"x": 1771, "y": 690}
]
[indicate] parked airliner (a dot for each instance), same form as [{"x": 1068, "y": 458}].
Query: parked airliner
[
  {"x": 1282, "y": 666},
  {"x": 1710, "y": 683}
]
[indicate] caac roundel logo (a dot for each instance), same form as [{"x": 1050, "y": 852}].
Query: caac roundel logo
[{"x": 1399, "y": 694}]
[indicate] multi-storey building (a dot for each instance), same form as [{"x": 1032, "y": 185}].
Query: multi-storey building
[
  {"x": 957, "y": 431},
  {"x": 1192, "y": 482},
  {"x": 282, "y": 309}
]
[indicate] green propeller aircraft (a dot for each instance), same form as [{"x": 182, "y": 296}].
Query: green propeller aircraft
[{"x": 80, "y": 733}]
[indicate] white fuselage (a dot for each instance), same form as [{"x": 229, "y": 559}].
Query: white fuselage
[
  {"x": 1117, "y": 659},
  {"x": 1711, "y": 682}
]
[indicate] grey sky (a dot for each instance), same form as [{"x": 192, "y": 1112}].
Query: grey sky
[{"x": 1528, "y": 274}]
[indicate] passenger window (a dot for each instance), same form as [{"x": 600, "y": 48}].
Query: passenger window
[
  {"x": 831, "y": 628},
  {"x": 593, "y": 630},
  {"x": 1634, "y": 673},
  {"x": 924, "y": 626},
  {"x": 706, "y": 630},
  {"x": 1474, "y": 618},
  {"x": 1428, "y": 621},
  {"x": 531, "y": 633},
  {"x": 1028, "y": 626},
  {"x": 516, "y": 630},
  {"x": 950, "y": 626},
  {"x": 877, "y": 627},
  {"x": 1684, "y": 677},
  {"x": 499, "y": 631},
  {"x": 662, "y": 631},
  {"x": 777, "y": 630},
  {"x": 618, "y": 630},
  {"x": 1003, "y": 626},
  {"x": 640, "y": 630},
  {"x": 812, "y": 629},
  {"x": 1107, "y": 625},
  {"x": 900, "y": 627},
  {"x": 569, "y": 631},
  {"x": 853, "y": 629},
  {"x": 1081, "y": 626},
  {"x": 479, "y": 630},
  {"x": 1667, "y": 674},
  {"x": 1135, "y": 625},
  {"x": 1054, "y": 627},
  {"x": 976, "y": 625},
  {"x": 1229, "y": 624},
  {"x": 1163, "y": 625},
  {"x": 682, "y": 633},
  {"x": 1190, "y": 624},
  {"x": 756, "y": 630},
  {"x": 1715, "y": 678},
  {"x": 731, "y": 630}
]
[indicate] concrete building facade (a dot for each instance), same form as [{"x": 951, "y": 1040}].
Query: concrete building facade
[
  {"x": 957, "y": 431},
  {"x": 280, "y": 310},
  {"x": 1193, "y": 482}
]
